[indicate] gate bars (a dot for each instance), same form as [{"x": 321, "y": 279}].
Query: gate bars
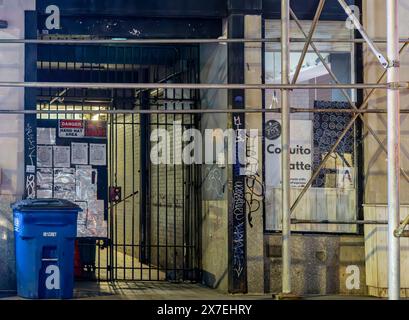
[{"x": 392, "y": 86}]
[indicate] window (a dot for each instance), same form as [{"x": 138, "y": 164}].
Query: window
[{"x": 333, "y": 194}]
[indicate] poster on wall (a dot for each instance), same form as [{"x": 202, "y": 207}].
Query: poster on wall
[
  {"x": 97, "y": 154},
  {"x": 46, "y": 136},
  {"x": 62, "y": 157},
  {"x": 300, "y": 153},
  {"x": 44, "y": 183},
  {"x": 79, "y": 153},
  {"x": 44, "y": 156}
]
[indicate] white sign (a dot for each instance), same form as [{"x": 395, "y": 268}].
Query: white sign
[
  {"x": 300, "y": 153},
  {"x": 44, "y": 156},
  {"x": 62, "y": 157},
  {"x": 79, "y": 153},
  {"x": 71, "y": 129},
  {"x": 46, "y": 135},
  {"x": 98, "y": 154}
]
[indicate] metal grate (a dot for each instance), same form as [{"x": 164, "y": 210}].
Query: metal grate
[{"x": 154, "y": 228}]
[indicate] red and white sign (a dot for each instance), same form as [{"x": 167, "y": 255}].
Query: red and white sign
[{"x": 71, "y": 129}]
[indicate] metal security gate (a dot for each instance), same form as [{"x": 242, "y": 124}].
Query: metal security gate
[{"x": 153, "y": 210}]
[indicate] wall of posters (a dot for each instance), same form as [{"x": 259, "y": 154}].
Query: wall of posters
[{"x": 72, "y": 165}]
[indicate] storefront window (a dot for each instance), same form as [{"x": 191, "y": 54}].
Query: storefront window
[{"x": 332, "y": 195}]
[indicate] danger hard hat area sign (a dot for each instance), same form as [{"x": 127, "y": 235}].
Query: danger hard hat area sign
[
  {"x": 82, "y": 129},
  {"x": 71, "y": 129}
]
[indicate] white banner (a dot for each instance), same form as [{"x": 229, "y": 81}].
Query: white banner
[{"x": 301, "y": 153}]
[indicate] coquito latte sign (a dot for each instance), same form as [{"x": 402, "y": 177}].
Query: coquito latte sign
[{"x": 301, "y": 153}]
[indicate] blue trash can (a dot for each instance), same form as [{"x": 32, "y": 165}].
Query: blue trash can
[{"x": 45, "y": 232}]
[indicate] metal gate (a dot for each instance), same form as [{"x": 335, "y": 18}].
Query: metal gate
[{"x": 154, "y": 210}]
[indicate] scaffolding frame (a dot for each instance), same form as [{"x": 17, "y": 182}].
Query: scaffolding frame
[{"x": 392, "y": 86}]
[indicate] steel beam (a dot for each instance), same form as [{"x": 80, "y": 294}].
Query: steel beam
[
  {"x": 220, "y": 40},
  {"x": 192, "y": 111}
]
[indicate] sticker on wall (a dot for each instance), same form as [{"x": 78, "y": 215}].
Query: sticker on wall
[
  {"x": 79, "y": 153},
  {"x": 71, "y": 129},
  {"x": 30, "y": 169}
]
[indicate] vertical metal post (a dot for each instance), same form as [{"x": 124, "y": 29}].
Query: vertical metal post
[
  {"x": 393, "y": 150},
  {"x": 285, "y": 159}
]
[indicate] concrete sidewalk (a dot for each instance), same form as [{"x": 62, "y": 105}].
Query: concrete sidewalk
[{"x": 145, "y": 290}]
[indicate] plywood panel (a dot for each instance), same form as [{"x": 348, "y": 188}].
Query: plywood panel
[
  {"x": 370, "y": 243},
  {"x": 376, "y": 252},
  {"x": 317, "y": 204},
  {"x": 381, "y": 248}
]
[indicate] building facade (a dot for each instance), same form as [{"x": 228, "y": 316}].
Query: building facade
[{"x": 205, "y": 221}]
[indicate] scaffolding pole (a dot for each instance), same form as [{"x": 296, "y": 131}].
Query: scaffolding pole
[
  {"x": 199, "y": 86},
  {"x": 220, "y": 40},
  {"x": 285, "y": 157},
  {"x": 393, "y": 107}
]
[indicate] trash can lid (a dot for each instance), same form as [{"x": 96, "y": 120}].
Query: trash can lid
[{"x": 44, "y": 205}]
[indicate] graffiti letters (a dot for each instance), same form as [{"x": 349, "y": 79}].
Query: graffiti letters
[
  {"x": 254, "y": 195},
  {"x": 239, "y": 228},
  {"x": 237, "y": 212},
  {"x": 30, "y": 184}
]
